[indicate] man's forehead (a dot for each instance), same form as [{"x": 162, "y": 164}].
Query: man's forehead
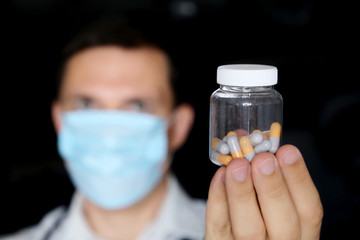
[
  {"x": 116, "y": 59},
  {"x": 114, "y": 64},
  {"x": 111, "y": 70}
]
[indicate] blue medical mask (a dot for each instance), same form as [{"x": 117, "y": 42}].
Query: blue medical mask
[{"x": 114, "y": 158}]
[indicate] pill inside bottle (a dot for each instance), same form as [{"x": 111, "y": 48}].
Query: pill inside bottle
[{"x": 246, "y": 113}]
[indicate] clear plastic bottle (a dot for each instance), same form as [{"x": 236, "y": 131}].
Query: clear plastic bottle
[{"x": 245, "y": 113}]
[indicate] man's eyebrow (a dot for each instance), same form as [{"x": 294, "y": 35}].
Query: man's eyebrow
[
  {"x": 77, "y": 96},
  {"x": 145, "y": 99}
]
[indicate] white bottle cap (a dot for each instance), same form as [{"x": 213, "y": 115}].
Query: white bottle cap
[{"x": 247, "y": 75}]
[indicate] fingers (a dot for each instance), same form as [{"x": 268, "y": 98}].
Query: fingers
[
  {"x": 277, "y": 208},
  {"x": 302, "y": 190},
  {"x": 232, "y": 208},
  {"x": 275, "y": 198},
  {"x": 218, "y": 225},
  {"x": 245, "y": 214}
]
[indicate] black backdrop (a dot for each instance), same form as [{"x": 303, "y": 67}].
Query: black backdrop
[{"x": 311, "y": 42}]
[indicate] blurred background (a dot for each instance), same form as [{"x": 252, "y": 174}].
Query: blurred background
[{"x": 312, "y": 43}]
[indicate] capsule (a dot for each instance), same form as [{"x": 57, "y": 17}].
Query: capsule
[
  {"x": 256, "y": 138},
  {"x": 220, "y": 146},
  {"x": 234, "y": 146},
  {"x": 264, "y": 146},
  {"x": 275, "y": 132},
  {"x": 247, "y": 148},
  {"x": 256, "y": 131},
  {"x": 266, "y": 135},
  {"x": 220, "y": 159}
]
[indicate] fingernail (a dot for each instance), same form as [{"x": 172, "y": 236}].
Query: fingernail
[
  {"x": 290, "y": 157},
  {"x": 240, "y": 174},
  {"x": 267, "y": 167}
]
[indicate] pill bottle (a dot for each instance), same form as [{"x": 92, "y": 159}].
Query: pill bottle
[{"x": 245, "y": 113}]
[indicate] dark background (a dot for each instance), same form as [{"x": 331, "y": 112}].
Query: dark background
[{"x": 312, "y": 43}]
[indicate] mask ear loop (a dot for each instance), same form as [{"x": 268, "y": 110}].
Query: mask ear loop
[
  {"x": 171, "y": 119},
  {"x": 168, "y": 162},
  {"x": 170, "y": 122}
]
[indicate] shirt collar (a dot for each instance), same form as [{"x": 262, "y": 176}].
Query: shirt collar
[{"x": 178, "y": 216}]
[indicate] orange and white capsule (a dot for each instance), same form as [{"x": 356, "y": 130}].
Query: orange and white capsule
[
  {"x": 247, "y": 148},
  {"x": 266, "y": 135},
  {"x": 234, "y": 146},
  {"x": 264, "y": 146},
  {"x": 220, "y": 159},
  {"x": 275, "y": 132},
  {"x": 256, "y": 138},
  {"x": 256, "y": 131},
  {"x": 220, "y": 146}
]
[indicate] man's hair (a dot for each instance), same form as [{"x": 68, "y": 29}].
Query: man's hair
[{"x": 119, "y": 32}]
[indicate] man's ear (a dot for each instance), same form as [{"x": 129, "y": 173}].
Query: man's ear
[
  {"x": 181, "y": 125},
  {"x": 56, "y": 115}
]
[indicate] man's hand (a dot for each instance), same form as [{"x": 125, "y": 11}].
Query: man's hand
[{"x": 272, "y": 198}]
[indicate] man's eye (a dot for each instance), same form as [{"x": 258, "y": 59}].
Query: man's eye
[
  {"x": 139, "y": 106},
  {"x": 85, "y": 104}
]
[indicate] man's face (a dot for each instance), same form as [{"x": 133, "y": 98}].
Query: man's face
[{"x": 115, "y": 78}]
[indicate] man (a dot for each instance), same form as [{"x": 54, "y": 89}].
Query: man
[{"x": 118, "y": 126}]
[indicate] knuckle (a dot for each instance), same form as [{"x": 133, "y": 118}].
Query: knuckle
[
  {"x": 313, "y": 216},
  {"x": 255, "y": 235},
  {"x": 289, "y": 230},
  {"x": 289, "y": 235},
  {"x": 299, "y": 178},
  {"x": 276, "y": 191},
  {"x": 219, "y": 231},
  {"x": 254, "y": 231},
  {"x": 245, "y": 195},
  {"x": 294, "y": 235}
]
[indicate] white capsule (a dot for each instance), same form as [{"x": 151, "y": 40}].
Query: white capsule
[
  {"x": 220, "y": 146},
  {"x": 249, "y": 156},
  {"x": 214, "y": 157},
  {"x": 219, "y": 159},
  {"x": 263, "y": 147},
  {"x": 275, "y": 141},
  {"x": 256, "y": 138},
  {"x": 247, "y": 148},
  {"x": 225, "y": 139},
  {"x": 234, "y": 147},
  {"x": 233, "y": 143}
]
